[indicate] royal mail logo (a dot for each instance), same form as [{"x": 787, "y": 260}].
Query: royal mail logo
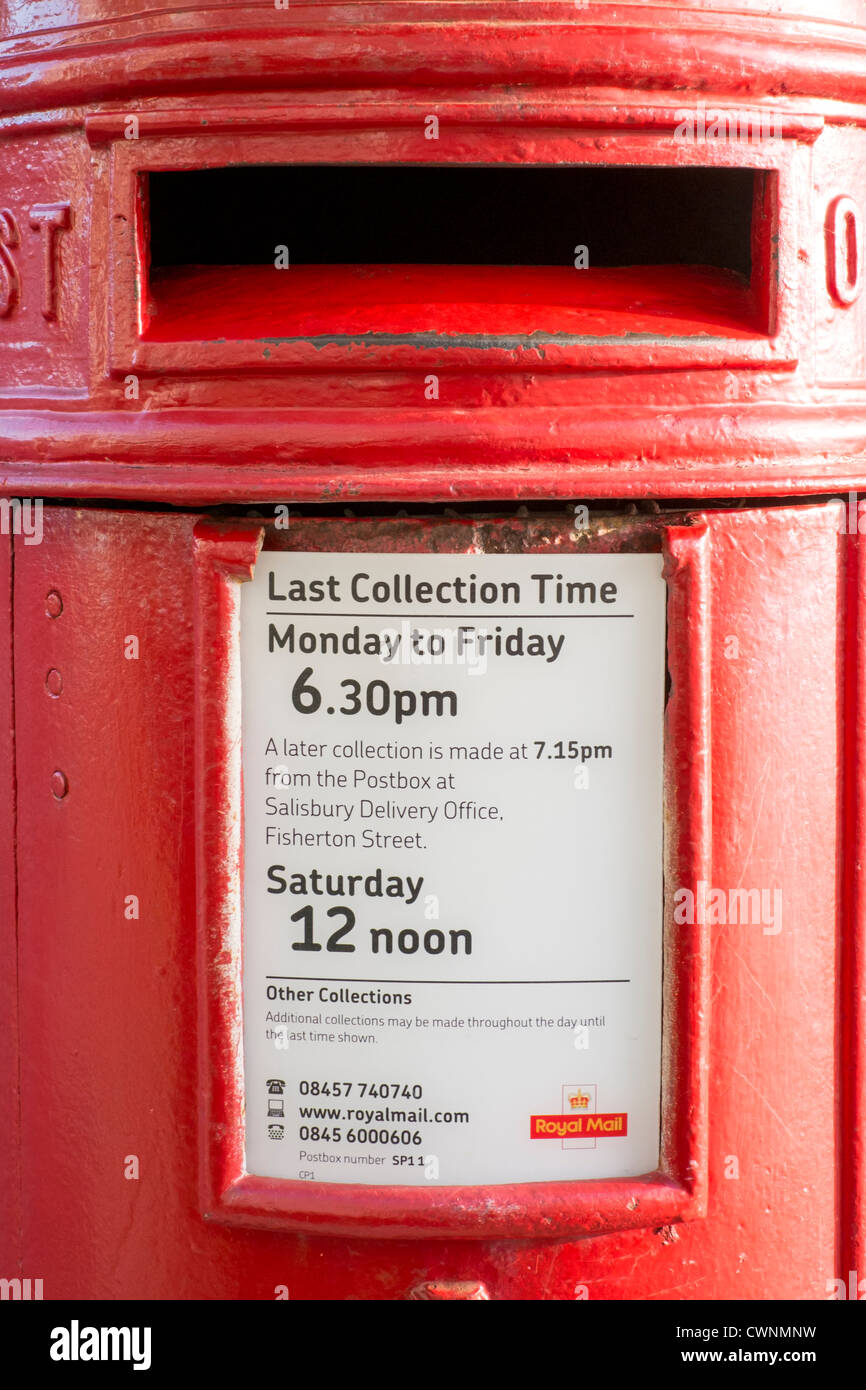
[
  {"x": 579, "y": 1101},
  {"x": 578, "y": 1126}
]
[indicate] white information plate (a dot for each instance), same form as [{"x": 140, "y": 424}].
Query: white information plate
[{"x": 453, "y": 866}]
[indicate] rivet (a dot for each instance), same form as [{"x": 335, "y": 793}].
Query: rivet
[
  {"x": 53, "y": 604},
  {"x": 54, "y": 682},
  {"x": 59, "y": 784}
]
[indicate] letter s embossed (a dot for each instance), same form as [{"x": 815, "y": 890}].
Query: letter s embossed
[{"x": 10, "y": 280}]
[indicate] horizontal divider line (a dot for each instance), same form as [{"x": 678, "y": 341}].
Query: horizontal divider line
[
  {"x": 337, "y": 980},
  {"x": 552, "y": 617}
]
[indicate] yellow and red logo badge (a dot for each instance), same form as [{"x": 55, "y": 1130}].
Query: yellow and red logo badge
[{"x": 607, "y": 1126}]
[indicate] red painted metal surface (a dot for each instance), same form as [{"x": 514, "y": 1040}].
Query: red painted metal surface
[
  {"x": 10, "y": 1132},
  {"x": 220, "y": 386},
  {"x": 110, "y": 1007},
  {"x": 317, "y": 301},
  {"x": 93, "y": 404},
  {"x": 451, "y": 1290}
]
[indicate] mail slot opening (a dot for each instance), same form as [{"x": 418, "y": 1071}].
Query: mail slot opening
[{"x": 464, "y": 253}]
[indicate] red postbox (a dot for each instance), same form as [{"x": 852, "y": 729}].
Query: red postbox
[{"x": 365, "y": 374}]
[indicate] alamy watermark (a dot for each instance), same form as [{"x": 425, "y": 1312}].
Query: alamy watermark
[
  {"x": 852, "y": 1289},
  {"x": 77, "y": 1343},
  {"x": 464, "y": 645},
  {"x": 22, "y": 516},
  {"x": 23, "y": 1290},
  {"x": 852, "y": 521},
  {"x": 721, "y": 907},
  {"x": 704, "y": 124}
]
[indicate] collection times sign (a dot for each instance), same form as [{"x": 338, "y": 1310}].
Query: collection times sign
[{"x": 453, "y": 866}]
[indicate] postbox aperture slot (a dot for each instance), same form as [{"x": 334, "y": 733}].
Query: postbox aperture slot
[{"x": 456, "y": 253}]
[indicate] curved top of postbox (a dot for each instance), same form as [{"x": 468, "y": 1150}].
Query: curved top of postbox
[
  {"x": 29, "y": 16},
  {"x": 67, "y": 52}
]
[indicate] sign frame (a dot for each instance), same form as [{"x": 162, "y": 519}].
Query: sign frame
[{"x": 225, "y": 554}]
